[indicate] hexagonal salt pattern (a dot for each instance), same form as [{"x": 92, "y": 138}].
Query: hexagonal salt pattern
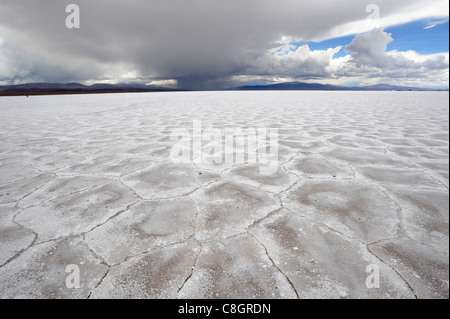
[
  {"x": 351, "y": 207},
  {"x": 76, "y": 213},
  {"x": 359, "y": 183},
  {"x": 163, "y": 180},
  {"x": 146, "y": 225},
  {"x": 227, "y": 209}
]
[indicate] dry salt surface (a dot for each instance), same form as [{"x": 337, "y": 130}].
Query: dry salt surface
[{"x": 362, "y": 180}]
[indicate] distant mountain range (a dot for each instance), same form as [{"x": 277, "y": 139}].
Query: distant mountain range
[
  {"x": 325, "y": 87},
  {"x": 77, "y": 88}
]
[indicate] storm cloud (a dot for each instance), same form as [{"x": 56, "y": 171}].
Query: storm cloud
[{"x": 205, "y": 44}]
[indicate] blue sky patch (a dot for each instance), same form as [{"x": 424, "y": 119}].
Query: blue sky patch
[{"x": 417, "y": 37}]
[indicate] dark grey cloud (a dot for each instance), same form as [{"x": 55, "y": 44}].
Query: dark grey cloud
[{"x": 200, "y": 43}]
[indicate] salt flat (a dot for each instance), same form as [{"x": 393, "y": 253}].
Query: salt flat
[{"x": 361, "y": 181}]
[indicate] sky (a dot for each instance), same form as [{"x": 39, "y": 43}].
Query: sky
[{"x": 216, "y": 44}]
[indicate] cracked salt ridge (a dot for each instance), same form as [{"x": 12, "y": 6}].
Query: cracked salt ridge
[
  {"x": 62, "y": 187},
  {"x": 78, "y": 212},
  {"x": 236, "y": 266},
  {"x": 431, "y": 228},
  {"x": 146, "y": 225},
  {"x": 162, "y": 180},
  {"x": 354, "y": 208},
  {"x": 227, "y": 208},
  {"x": 348, "y": 140},
  {"x": 16, "y": 191},
  {"x": 15, "y": 238},
  {"x": 423, "y": 267},
  {"x": 155, "y": 274},
  {"x": 321, "y": 262},
  {"x": 39, "y": 272},
  {"x": 250, "y": 174}
]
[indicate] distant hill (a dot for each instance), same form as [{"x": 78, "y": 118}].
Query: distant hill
[
  {"x": 324, "y": 87},
  {"x": 75, "y": 88}
]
